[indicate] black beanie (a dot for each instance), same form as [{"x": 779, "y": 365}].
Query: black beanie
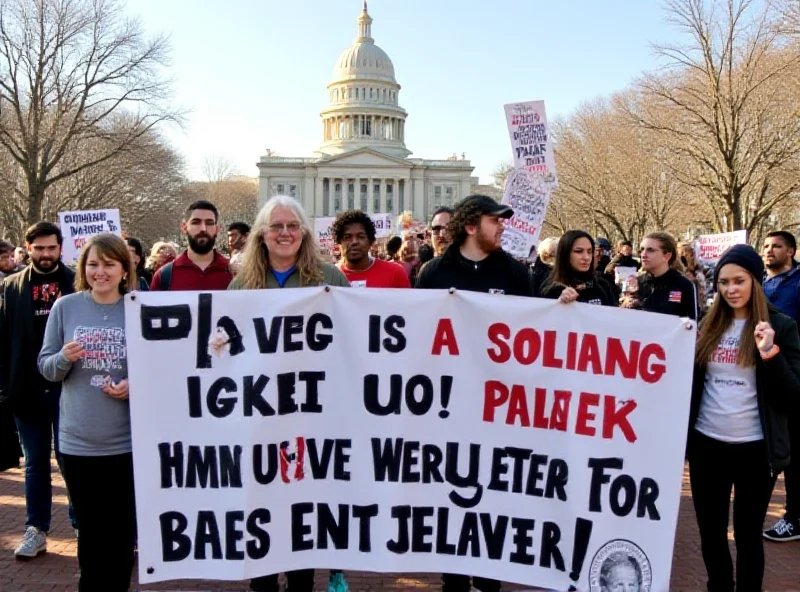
[{"x": 744, "y": 256}]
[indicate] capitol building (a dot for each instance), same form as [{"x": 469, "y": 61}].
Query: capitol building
[{"x": 363, "y": 161}]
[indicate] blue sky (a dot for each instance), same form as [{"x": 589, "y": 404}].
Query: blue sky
[{"x": 253, "y": 73}]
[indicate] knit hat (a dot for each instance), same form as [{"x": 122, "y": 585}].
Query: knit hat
[{"x": 744, "y": 256}]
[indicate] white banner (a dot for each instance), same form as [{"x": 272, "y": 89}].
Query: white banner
[
  {"x": 78, "y": 227},
  {"x": 532, "y": 442},
  {"x": 322, "y": 228},
  {"x": 530, "y": 138},
  {"x": 708, "y": 248}
]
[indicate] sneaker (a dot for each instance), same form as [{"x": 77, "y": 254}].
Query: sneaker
[
  {"x": 783, "y": 531},
  {"x": 33, "y": 544},
  {"x": 337, "y": 583}
]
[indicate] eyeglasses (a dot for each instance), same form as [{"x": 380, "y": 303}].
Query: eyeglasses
[
  {"x": 438, "y": 229},
  {"x": 290, "y": 227},
  {"x": 649, "y": 250}
]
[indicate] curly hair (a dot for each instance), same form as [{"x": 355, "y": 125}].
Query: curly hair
[
  {"x": 349, "y": 217},
  {"x": 464, "y": 215}
]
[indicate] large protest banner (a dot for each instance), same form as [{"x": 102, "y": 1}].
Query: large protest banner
[
  {"x": 322, "y": 228},
  {"x": 78, "y": 227},
  {"x": 529, "y": 185},
  {"x": 708, "y": 248},
  {"x": 532, "y": 442}
]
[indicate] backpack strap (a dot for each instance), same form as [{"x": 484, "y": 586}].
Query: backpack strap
[{"x": 166, "y": 277}]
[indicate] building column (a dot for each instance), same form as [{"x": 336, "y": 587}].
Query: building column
[
  {"x": 383, "y": 196},
  {"x": 370, "y": 205},
  {"x": 419, "y": 198},
  {"x": 318, "y": 197}
]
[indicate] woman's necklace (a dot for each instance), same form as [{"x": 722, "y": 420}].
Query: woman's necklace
[{"x": 104, "y": 309}]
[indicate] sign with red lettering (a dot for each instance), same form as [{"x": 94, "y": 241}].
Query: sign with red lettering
[
  {"x": 708, "y": 248},
  {"x": 519, "y": 439}
]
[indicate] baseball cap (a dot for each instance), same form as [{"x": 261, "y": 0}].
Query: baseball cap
[{"x": 486, "y": 205}]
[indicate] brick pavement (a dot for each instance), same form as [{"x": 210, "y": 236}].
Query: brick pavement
[{"x": 56, "y": 571}]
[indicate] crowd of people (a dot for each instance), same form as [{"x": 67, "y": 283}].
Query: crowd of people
[{"x": 63, "y": 357}]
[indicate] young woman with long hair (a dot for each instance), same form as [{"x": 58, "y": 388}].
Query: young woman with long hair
[
  {"x": 746, "y": 378},
  {"x": 84, "y": 347},
  {"x": 281, "y": 252},
  {"x": 574, "y": 276}
]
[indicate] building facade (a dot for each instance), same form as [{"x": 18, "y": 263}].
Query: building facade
[{"x": 363, "y": 161}]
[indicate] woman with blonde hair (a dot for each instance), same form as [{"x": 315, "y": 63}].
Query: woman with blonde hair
[
  {"x": 746, "y": 379},
  {"x": 281, "y": 252},
  {"x": 162, "y": 253},
  {"x": 84, "y": 347}
]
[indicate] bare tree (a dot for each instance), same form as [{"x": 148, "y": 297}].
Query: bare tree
[
  {"x": 217, "y": 168},
  {"x": 79, "y": 85},
  {"x": 728, "y": 109}
]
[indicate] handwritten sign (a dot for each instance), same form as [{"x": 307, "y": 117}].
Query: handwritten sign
[
  {"x": 78, "y": 227},
  {"x": 530, "y": 138},
  {"x": 708, "y": 248}
]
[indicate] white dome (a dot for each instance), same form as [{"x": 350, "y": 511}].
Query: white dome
[{"x": 364, "y": 60}]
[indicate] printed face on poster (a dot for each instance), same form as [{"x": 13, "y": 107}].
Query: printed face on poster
[
  {"x": 77, "y": 227},
  {"x": 278, "y": 430}
]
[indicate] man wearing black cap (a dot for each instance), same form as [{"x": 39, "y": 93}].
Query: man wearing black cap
[{"x": 475, "y": 261}]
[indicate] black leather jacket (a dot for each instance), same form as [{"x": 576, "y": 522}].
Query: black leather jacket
[{"x": 777, "y": 387}]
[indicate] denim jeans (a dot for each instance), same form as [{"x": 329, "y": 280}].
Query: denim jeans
[{"x": 36, "y": 436}]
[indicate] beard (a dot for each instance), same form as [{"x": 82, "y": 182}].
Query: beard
[
  {"x": 487, "y": 243},
  {"x": 44, "y": 264},
  {"x": 202, "y": 243}
]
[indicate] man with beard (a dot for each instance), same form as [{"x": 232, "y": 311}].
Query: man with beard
[
  {"x": 201, "y": 266},
  {"x": 27, "y": 298},
  {"x": 782, "y": 287},
  {"x": 354, "y": 232},
  {"x": 237, "y": 239},
  {"x": 440, "y": 239},
  {"x": 476, "y": 262}
]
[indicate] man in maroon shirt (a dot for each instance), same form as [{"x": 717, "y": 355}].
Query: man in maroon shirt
[
  {"x": 200, "y": 267},
  {"x": 354, "y": 232}
]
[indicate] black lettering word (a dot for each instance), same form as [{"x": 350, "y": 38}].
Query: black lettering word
[
  {"x": 319, "y": 456},
  {"x": 220, "y": 402},
  {"x": 332, "y": 527},
  {"x": 395, "y": 342},
  {"x": 624, "y": 494},
  {"x": 296, "y": 333},
  {"x": 424, "y": 529},
  {"x": 527, "y": 473},
  {"x": 399, "y": 461},
  {"x": 209, "y": 541},
  {"x": 418, "y": 393},
  {"x": 203, "y": 466}
]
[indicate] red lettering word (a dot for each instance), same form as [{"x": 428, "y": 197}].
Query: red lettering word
[
  {"x": 583, "y": 352},
  {"x": 553, "y": 413},
  {"x": 445, "y": 337}
]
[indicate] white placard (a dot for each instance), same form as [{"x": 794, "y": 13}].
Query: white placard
[
  {"x": 530, "y": 138},
  {"x": 530, "y": 441},
  {"x": 78, "y": 227},
  {"x": 708, "y": 248}
]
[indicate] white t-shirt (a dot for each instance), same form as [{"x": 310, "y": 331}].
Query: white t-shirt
[{"x": 729, "y": 407}]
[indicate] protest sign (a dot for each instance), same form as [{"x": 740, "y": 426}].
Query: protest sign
[
  {"x": 708, "y": 248},
  {"x": 530, "y": 138},
  {"x": 322, "y": 228},
  {"x": 78, "y": 227},
  {"x": 528, "y": 194},
  {"x": 531, "y": 442}
]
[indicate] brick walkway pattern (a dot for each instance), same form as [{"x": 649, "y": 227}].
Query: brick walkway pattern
[{"x": 57, "y": 571}]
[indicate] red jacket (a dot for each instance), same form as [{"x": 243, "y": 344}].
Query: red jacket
[{"x": 187, "y": 276}]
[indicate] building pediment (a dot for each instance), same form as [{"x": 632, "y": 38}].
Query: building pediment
[{"x": 363, "y": 157}]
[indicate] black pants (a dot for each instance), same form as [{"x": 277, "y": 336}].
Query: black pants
[
  {"x": 101, "y": 490},
  {"x": 458, "y": 583},
  {"x": 301, "y": 580},
  {"x": 716, "y": 467},
  {"x": 791, "y": 475}
]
